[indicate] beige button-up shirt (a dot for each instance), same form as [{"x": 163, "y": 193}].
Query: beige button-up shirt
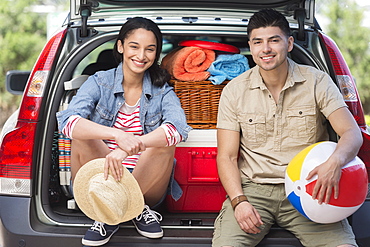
[{"x": 272, "y": 134}]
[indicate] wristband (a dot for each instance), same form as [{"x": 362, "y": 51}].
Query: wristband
[{"x": 235, "y": 202}]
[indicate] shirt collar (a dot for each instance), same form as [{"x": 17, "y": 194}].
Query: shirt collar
[
  {"x": 118, "y": 77},
  {"x": 147, "y": 83},
  {"x": 294, "y": 76}
]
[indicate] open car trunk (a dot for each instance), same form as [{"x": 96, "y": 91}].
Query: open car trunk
[{"x": 190, "y": 218}]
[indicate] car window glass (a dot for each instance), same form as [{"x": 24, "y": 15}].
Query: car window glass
[{"x": 92, "y": 57}]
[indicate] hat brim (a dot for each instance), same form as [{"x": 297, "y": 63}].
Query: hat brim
[{"x": 135, "y": 200}]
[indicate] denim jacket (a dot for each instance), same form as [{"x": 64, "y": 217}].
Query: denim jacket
[{"x": 101, "y": 96}]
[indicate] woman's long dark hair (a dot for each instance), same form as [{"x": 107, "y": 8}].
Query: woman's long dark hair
[{"x": 158, "y": 75}]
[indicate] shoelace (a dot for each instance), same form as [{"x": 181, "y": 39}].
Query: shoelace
[
  {"x": 99, "y": 227},
  {"x": 149, "y": 215}
]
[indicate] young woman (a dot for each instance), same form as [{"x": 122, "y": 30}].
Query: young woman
[{"x": 132, "y": 117}]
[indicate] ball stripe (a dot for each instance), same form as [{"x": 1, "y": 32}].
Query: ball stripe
[
  {"x": 296, "y": 201},
  {"x": 347, "y": 197},
  {"x": 294, "y": 172}
]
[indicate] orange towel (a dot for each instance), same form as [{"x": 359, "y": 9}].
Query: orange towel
[{"x": 189, "y": 63}]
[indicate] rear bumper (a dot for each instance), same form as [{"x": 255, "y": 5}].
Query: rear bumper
[{"x": 18, "y": 227}]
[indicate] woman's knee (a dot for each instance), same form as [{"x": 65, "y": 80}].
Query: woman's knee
[
  {"x": 160, "y": 156},
  {"x": 89, "y": 148},
  {"x": 159, "y": 151},
  {"x": 82, "y": 151}
]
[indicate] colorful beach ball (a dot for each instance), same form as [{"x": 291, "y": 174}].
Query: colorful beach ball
[{"x": 352, "y": 185}]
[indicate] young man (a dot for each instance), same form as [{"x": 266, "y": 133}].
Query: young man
[{"x": 266, "y": 116}]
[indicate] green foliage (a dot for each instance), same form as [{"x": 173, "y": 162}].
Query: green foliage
[
  {"x": 22, "y": 37},
  {"x": 367, "y": 120},
  {"x": 345, "y": 19}
]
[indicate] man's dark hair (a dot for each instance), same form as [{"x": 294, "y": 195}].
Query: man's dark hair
[{"x": 268, "y": 18}]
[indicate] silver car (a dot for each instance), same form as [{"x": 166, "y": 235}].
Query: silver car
[{"x": 36, "y": 205}]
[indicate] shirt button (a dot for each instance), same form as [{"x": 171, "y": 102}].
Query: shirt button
[
  {"x": 300, "y": 112},
  {"x": 250, "y": 120}
]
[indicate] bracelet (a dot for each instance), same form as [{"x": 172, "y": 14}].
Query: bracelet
[{"x": 237, "y": 200}]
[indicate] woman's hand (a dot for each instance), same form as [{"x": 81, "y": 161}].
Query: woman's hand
[
  {"x": 129, "y": 143},
  {"x": 113, "y": 163}
]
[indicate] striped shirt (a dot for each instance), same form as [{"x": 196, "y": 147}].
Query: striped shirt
[{"x": 128, "y": 120}]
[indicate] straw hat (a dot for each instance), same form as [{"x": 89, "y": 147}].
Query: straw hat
[{"x": 107, "y": 201}]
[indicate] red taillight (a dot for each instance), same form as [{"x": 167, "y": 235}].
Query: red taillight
[
  {"x": 32, "y": 97},
  {"x": 345, "y": 80},
  {"x": 349, "y": 91},
  {"x": 16, "y": 151},
  {"x": 364, "y": 152},
  {"x": 17, "y": 146}
]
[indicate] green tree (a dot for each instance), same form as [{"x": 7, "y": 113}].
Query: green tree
[
  {"x": 345, "y": 27},
  {"x": 22, "y": 37}
]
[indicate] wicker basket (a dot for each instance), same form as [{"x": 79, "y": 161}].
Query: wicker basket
[{"x": 199, "y": 101}]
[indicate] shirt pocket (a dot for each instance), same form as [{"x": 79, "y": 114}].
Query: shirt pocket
[
  {"x": 253, "y": 127},
  {"x": 152, "y": 122},
  {"x": 104, "y": 116},
  {"x": 301, "y": 121}
]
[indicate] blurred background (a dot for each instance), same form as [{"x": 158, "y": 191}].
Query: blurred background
[
  {"x": 27, "y": 24},
  {"x": 25, "y": 27}
]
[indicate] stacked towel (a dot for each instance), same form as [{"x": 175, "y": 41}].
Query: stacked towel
[
  {"x": 189, "y": 63},
  {"x": 227, "y": 67}
]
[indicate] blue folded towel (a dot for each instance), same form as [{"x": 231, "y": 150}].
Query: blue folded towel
[{"x": 227, "y": 67}]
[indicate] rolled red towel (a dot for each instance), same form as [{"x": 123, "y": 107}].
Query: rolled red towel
[{"x": 189, "y": 63}]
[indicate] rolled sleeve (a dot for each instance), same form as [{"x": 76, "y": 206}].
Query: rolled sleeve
[
  {"x": 174, "y": 114},
  {"x": 328, "y": 96}
]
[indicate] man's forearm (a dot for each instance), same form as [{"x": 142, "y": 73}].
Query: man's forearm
[{"x": 230, "y": 176}]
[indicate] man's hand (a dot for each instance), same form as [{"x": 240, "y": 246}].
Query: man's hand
[
  {"x": 248, "y": 218},
  {"x": 329, "y": 174},
  {"x": 113, "y": 162}
]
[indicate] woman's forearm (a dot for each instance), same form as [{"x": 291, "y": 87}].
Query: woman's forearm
[{"x": 85, "y": 129}]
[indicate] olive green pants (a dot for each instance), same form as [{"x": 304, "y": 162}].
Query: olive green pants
[{"x": 273, "y": 206}]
